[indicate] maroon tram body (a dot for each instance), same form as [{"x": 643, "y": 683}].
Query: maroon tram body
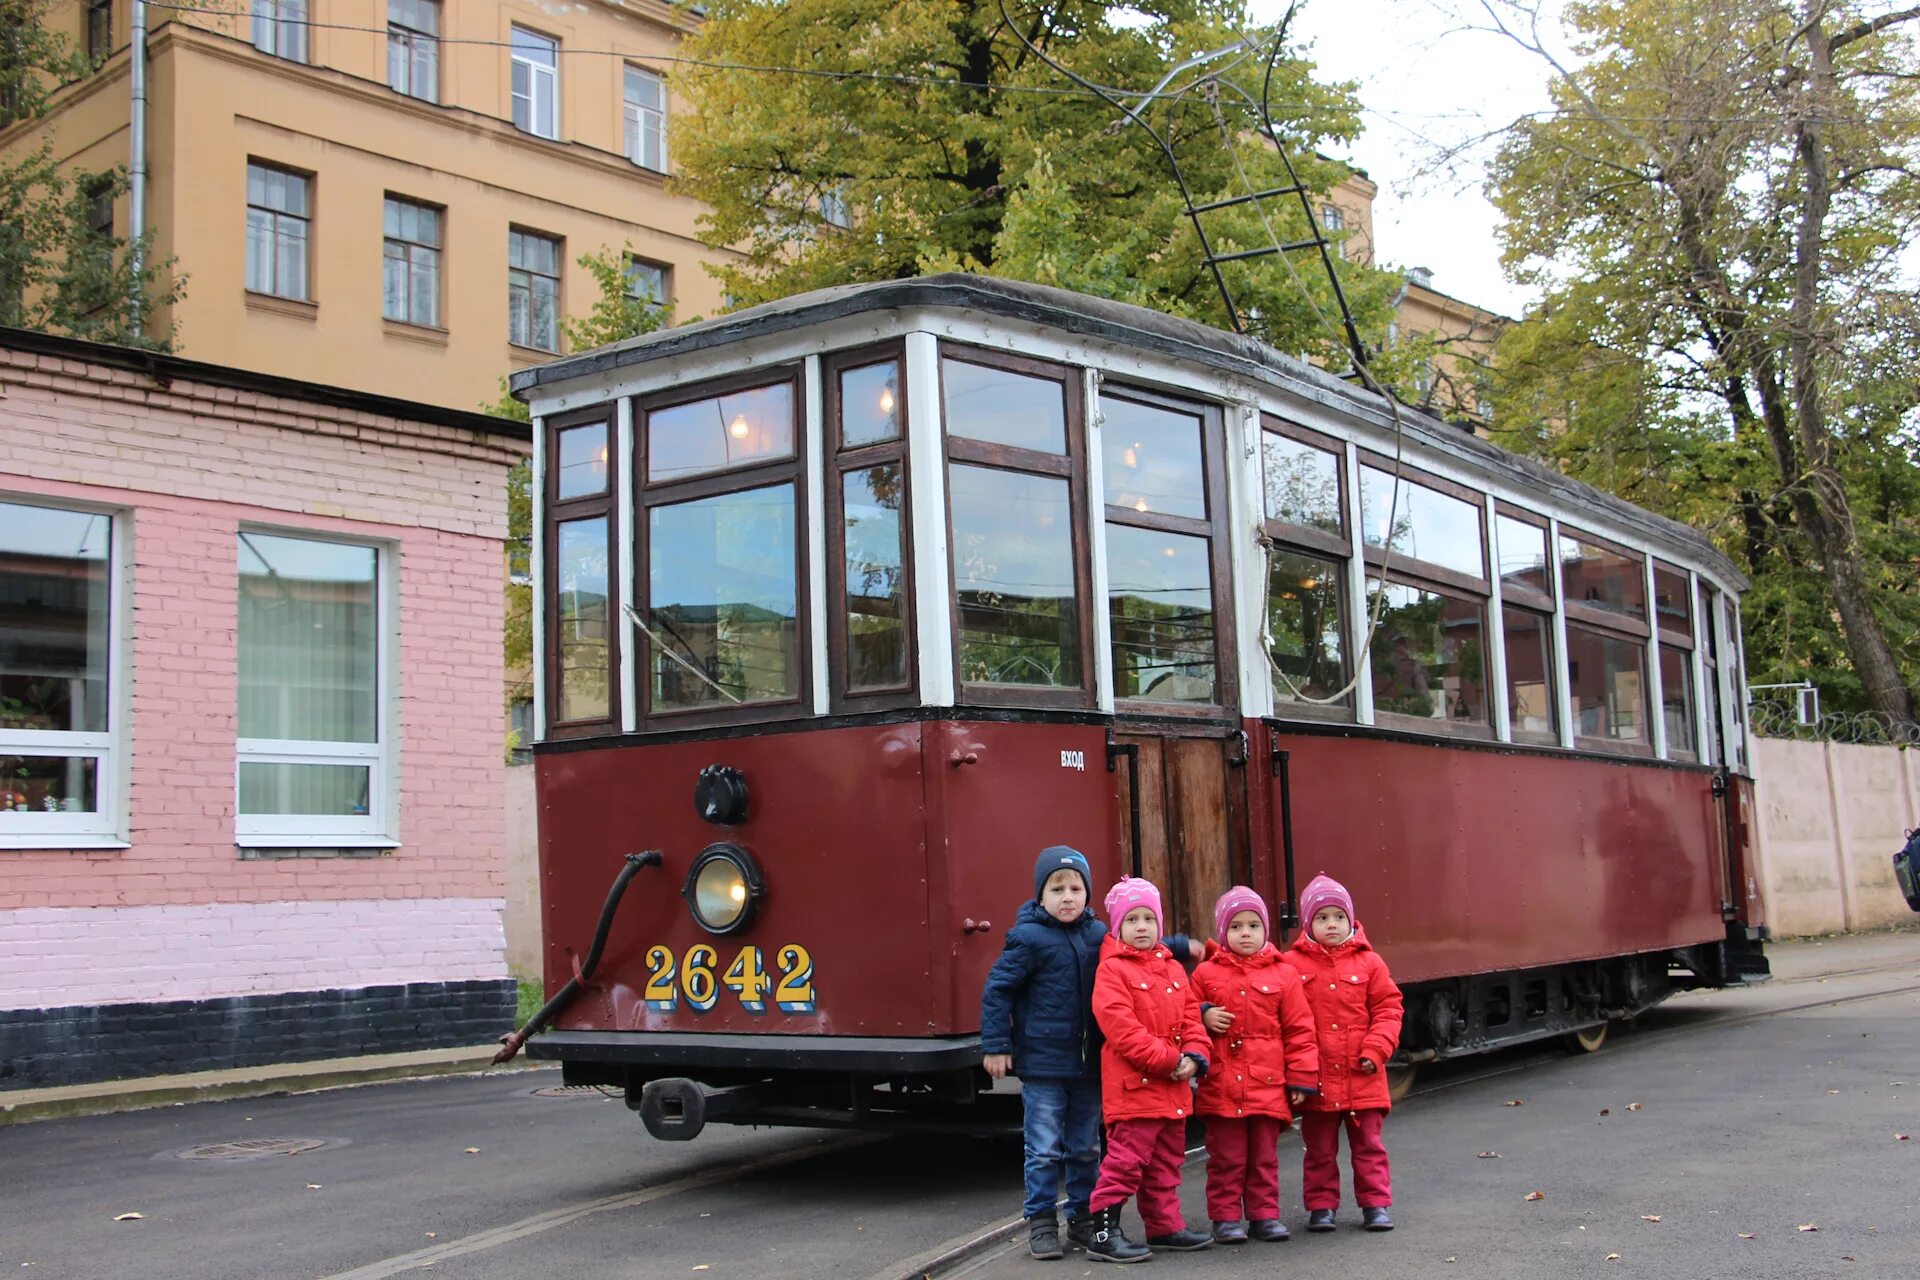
[{"x": 875, "y": 849}]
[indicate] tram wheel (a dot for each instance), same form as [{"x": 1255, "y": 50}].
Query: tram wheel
[
  {"x": 1400, "y": 1081},
  {"x": 1586, "y": 1039}
]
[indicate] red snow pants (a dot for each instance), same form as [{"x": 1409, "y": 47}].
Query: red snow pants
[
  {"x": 1372, "y": 1176},
  {"x": 1143, "y": 1159},
  {"x": 1243, "y": 1167}
]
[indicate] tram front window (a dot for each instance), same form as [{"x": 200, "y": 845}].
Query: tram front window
[
  {"x": 1427, "y": 658},
  {"x": 721, "y": 575},
  {"x": 1014, "y": 577},
  {"x": 1306, "y": 616},
  {"x": 875, "y": 576},
  {"x": 1303, "y": 484},
  {"x": 999, "y": 406},
  {"x": 1160, "y": 601},
  {"x": 581, "y": 633}
]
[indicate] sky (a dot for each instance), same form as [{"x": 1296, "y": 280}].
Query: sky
[{"x": 1425, "y": 83}]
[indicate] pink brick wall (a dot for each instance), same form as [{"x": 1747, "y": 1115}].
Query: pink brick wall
[{"x": 190, "y": 464}]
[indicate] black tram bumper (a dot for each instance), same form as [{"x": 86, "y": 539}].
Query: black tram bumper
[{"x": 681, "y": 1082}]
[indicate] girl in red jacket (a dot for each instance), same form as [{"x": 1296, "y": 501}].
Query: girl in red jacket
[
  {"x": 1356, "y": 1009},
  {"x": 1266, "y": 1061},
  {"x": 1155, "y": 1048}
]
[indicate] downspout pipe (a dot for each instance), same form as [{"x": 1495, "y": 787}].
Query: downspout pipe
[{"x": 137, "y": 167}]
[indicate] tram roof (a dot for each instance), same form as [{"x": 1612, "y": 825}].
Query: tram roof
[{"x": 1127, "y": 325}]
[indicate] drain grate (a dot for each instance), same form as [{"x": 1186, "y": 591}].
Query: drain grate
[{"x": 252, "y": 1148}]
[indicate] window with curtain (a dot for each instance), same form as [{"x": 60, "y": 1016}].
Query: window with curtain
[
  {"x": 411, "y": 263},
  {"x": 58, "y": 670},
  {"x": 1303, "y": 478},
  {"x": 277, "y": 231},
  {"x": 312, "y": 755},
  {"x": 533, "y": 290},
  {"x": 413, "y": 48}
]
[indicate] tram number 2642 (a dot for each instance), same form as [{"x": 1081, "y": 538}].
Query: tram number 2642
[{"x": 697, "y": 979}]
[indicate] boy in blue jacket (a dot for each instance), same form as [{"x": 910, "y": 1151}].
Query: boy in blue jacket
[{"x": 1036, "y": 1022}]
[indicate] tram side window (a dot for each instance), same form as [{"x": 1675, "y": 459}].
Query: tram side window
[
  {"x": 1016, "y": 485},
  {"x": 870, "y": 612},
  {"x": 1737, "y": 680},
  {"x": 717, "y": 521},
  {"x": 1303, "y": 479},
  {"x": 1428, "y": 658},
  {"x": 1709, "y": 677},
  {"x": 1526, "y": 609},
  {"x": 582, "y": 594},
  {"x": 1673, "y": 616},
  {"x": 1157, "y": 458},
  {"x": 1606, "y": 604}
]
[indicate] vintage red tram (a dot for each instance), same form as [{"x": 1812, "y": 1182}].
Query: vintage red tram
[{"x": 850, "y": 603}]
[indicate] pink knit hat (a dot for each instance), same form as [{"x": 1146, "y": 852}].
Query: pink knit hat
[
  {"x": 1130, "y": 893},
  {"x": 1324, "y": 891},
  {"x": 1232, "y": 903}
]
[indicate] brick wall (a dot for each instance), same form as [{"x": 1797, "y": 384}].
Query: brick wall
[{"x": 181, "y": 914}]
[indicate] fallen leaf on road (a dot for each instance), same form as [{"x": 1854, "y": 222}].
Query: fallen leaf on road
[
  {"x": 1452, "y": 1259},
  {"x": 1746, "y": 1235},
  {"x": 1900, "y": 1137},
  {"x": 1514, "y": 1102},
  {"x": 1809, "y": 1226},
  {"x": 1536, "y": 1195},
  {"x": 432, "y": 1235},
  {"x": 1649, "y": 1217},
  {"x": 1606, "y": 1111},
  {"x": 1846, "y": 1257},
  {"x": 128, "y": 1217},
  {"x": 313, "y": 1186},
  {"x": 1495, "y": 1155},
  {"x": 473, "y": 1151},
  {"x": 1613, "y": 1257},
  {"x": 1833, "y": 1093},
  {"x": 702, "y": 1266},
  {"x": 1633, "y": 1106}
]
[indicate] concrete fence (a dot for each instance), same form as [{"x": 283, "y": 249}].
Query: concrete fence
[{"x": 1831, "y": 817}]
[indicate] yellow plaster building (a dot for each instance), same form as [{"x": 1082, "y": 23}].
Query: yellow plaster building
[{"x": 390, "y": 195}]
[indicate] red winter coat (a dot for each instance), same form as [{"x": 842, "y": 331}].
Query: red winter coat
[
  {"x": 1271, "y": 1043},
  {"x": 1356, "y": 1011},
  {"x": 1151, "y": 1017}
]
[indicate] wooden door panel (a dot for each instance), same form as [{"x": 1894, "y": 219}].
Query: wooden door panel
[{"x": 1197, "y": 785}]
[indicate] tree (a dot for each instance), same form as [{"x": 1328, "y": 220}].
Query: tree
[
  {"x": 909, "y": 137},
  {"x": 59, "y": 269},
  {"x": 1716, "y": 211},
  {"x": 618, "y": 312}
]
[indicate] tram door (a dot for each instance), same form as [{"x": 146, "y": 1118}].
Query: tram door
[{"x": 1192, "y": 838}]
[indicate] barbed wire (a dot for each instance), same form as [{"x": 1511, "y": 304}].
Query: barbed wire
[{"x": 1774, "y": 718}]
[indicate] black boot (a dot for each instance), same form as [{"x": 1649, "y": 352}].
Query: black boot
[
  {"x": 1320, "y": 1220},
  {"x": 1270, "y": 1229},
  {"x": 1106, "y": 1242},
  {"x": 1229, "y": 1233},
  {"x": 1043, "y": 1236},
  {"x": 1377, "y": 1219},
  {"x": 1079, "y": 1225},
  {"x": 1182, "y": 1241}
]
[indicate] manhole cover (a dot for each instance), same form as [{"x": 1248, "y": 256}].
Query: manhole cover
[
  {"x": 570, "y": 1091},
  {"x": 252, "y": 1148}
]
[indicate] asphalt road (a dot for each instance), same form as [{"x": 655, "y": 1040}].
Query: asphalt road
[{"x": 1760, "y": 1110}]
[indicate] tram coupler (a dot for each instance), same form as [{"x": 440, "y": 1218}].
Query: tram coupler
[{"x": 676, "y": 1109}]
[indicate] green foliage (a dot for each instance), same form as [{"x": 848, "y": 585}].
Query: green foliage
[
  {"x": 1726, "y": 335},
  {"x": 957, "y": 163},
  {"x": 614, "y": 316},
  {"x": 57, "y": 272}
]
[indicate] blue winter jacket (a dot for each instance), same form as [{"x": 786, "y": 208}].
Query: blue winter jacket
[{"x": 1038, "y": 1001}]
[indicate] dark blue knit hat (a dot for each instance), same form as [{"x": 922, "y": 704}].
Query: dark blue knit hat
[{"x": 1056, "y": 857}]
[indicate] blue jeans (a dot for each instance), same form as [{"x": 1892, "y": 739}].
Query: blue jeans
[{"x": 1062, "y": 1127}]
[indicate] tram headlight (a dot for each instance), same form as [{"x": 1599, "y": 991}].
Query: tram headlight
[{"x": 723, "y": 888}]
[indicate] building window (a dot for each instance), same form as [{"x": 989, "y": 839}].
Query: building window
[
  {"x": 312, "y": 644},
  {"x": 100, "y": 207},
  {"x": 721, "y": 585},
  {"x": 1332, "y": 219},
  {"x": 646, "y": 119},
  {"x": 280, "y": 28},
  {"x": 99, "y": 30},
  {"x": 413, "y": 48},
  {"x": 411, "y": 263},
  {"x": 1163, "y": 588},
  {"x": 277, "y": 231},
  {"x": 1016, "y": 476},
  {"x": 649, "y": 282},
  {"x": 533, "y": 291},
  {"x": 833, "y": 209},
  {"x": 58, "y": 673},
  {"x": 536, "y": 84},
  {"x": 870, "y": 605}
]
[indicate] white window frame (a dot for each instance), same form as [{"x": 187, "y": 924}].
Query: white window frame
[
  {"x": 105, "y": 827},
  {"x": 411, "y": 40},
  {"x": 379, "y": 827},
  {"x": 535, "y": 97},
  {"x": 280, "y": 29},
  {"x": 644, "y": 124}
]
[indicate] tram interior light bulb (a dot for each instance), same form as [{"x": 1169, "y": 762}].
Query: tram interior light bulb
[
  {"x": 738, "y": 428},
  {"x": 886, "y": 400}
]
